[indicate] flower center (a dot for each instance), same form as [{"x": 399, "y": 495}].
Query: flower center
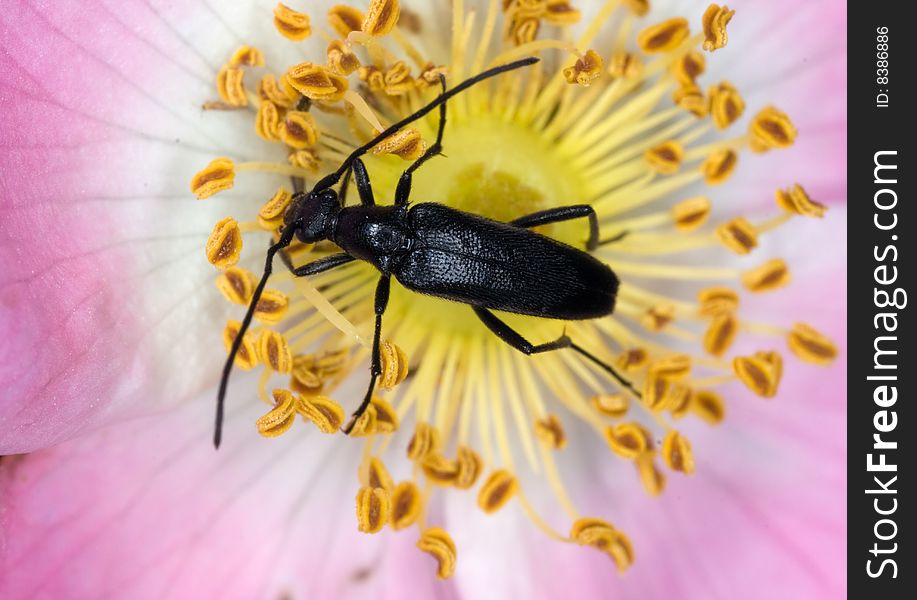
[{"x": 626, "y": 139}]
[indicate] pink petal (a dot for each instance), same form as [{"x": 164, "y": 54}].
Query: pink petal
[
  {"x": 148, "y": 509},
  {"x": 103, "y": 293}
]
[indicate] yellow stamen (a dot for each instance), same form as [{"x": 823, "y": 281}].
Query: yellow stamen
[
  {"x": 810, "y": 345},
  {"x": 719, "y": 166},
  {"x": 305, "y": 377},
  {"x": 381, "y": 17},
  {"x": 305, "y": 159},
  {"x": 771, "y": 128},
  {"x": 327, "y": 414},
  {"x": 665, "y": 158},
  {"x": 219, "y": 175},
  {"x": 601, "y": 535},
  {"x": 282, "y": 95},
  {"x": 267, "y": 121},
  {"x": 247, "y": 356},
  {"x": 280, "y": 418},
  {"x": 708, "y": 405},
  {"x": 720, "y": 334},
  {"x": 638, "y": 7},
  {"x": 394, "y": 365},
  {"x": 633, "y": 359},
  {"x": 771, "y": 275},
  {"x": 271, "y": 214},
  {"x": 224, "y": 244},
  {"x": 292, "y": 25},
  {"x": 345, "y": 19},
  {"x": 689, "y": 67},
  {"x": 657, "y": 317},
  {"x": 676, "y": 367},
  {"x": 726, "y": 105},
  {"x": 248, "y": 56},
  {"x": 796, "y": 200},
  {"x": 438, "y": 544},
  {"x": 625, "y": 65},
  {"x": 661, "y": 393},
  {"x": 317, "y": 82},
  {"x": 560, "y": 12},
  {"x": 587, "y": 69},
  {"x": 275, "y": 352},
  {"x": 373, "y": 474},
  {"x": 366, "y": 424},
  {"x": 497, "y": 490},
  {"x": 426, "y": 441},
  {"x": 272, "y": 306},
  {"x": 406, "y": 505},
  {"x": 374, "y": 508},
  {"x": 439, "y": 469},
  {"x": 664, "y": 37},
  {"x": 236, "y": 284},
  {"x": 738, "y": 235},
  {"x": 341, "y": 60},
  {"x": 550, "y": 432},
  {"x": 406, "y": 143},
  {"x": 714, "y": 20},
  {"x": 628, "y": 440},
  {"x": 717, "y": 300},
  {"x": 691, "y": 213},
  {"x": 611, "y": 405},
  {"x": 470, "y": 466},
  {"x": 676, "y": 452},
  {"x": 760, "y": 373},
  {"x": 690, "y": 98},
  {"x": 386, "y": 417},
  {"x": 397, "y": 79},
  {"x": 524, "y": 31},
  {"x": 652, "y": 478},
  {"x": 299, "y": 130},
  {"x": 230, "y": 86}
]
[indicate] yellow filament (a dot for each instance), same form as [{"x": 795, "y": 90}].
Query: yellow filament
[
  {"x": 363, "y": 109},
  {"x": 267, "y": 167}
]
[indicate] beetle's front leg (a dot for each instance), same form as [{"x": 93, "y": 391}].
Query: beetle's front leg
[
  {"x": 403, "y": 191},
  {"x": 382, "y": 291}
]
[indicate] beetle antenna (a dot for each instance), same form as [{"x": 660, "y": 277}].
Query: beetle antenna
[
  {"x": 332, "y": 178},
  {"x": 286, "y": 236}
]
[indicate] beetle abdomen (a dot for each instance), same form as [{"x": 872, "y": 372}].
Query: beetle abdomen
[{"x": 470, "y": 259}]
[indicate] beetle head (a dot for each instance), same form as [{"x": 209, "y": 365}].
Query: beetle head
[{"x": 313, "y": 214}]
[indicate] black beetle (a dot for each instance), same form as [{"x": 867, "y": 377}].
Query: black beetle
[{"x": 440, "y": 251}]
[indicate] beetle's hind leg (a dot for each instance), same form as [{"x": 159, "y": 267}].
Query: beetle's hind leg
[
  {"x": 515, "y": 339},
  {"x": 564, "y": 213}
]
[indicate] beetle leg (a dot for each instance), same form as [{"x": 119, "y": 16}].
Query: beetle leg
[
  {"x": 403, "y": 191},
  {"x": 363, "y": 186},
  {"x": 615, "y": 238},
  {"x": 319, "y": 266},
  {"x": 564, "y": 213},
  {"x": 515, "y": 339},
  {"x": 382, "y": 290}
]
